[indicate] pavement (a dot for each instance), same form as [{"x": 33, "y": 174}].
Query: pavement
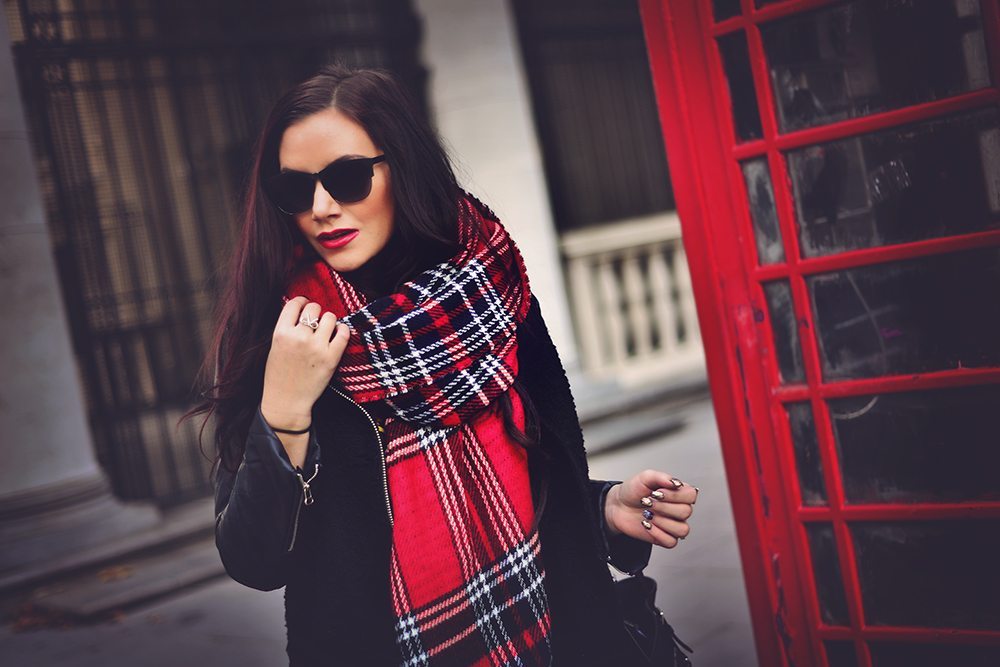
[{"x": 222, "y": 623}]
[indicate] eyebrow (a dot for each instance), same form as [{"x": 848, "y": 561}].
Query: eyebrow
[{"x": 340, "y": 159}]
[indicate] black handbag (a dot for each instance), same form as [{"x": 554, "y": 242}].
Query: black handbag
[{"x": 652, "y": 635}]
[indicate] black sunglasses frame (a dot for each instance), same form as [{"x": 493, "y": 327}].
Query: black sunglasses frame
[{"x": 273, "y": 185}]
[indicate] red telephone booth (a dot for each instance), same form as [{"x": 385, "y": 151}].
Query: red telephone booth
[{"x": 837, "y": 174}]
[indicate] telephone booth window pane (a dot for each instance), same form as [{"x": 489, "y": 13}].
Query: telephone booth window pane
[
  {"x": 865, "y": 57},
  {"x": 933, "y": 655},
  {"x": 760, "y": 194},
  {"x": 785, "y": 330},
  {"x": 807, "y": 461},
  {"x": 826, "y": 569},
  {"x": 841, "y": 654},
  {"x": 736, "y": 61},
  {"x": 913, "y": 316},
  {"x": 920, "y": 181},
  {"x": 725, "y": 9},
  {"x": 940, "y": 574},
  {"x": 925, "y": 446}
]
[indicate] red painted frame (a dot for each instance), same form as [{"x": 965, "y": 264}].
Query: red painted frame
[{"x": 749, "y": 400}]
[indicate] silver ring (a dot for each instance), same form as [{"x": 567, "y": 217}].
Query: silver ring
[{"x": 311, "y": 323}]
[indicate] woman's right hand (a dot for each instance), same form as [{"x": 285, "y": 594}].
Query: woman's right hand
[{"x": 300, "y": 363}]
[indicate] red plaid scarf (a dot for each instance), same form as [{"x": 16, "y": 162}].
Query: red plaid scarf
[{"x": 466, "y": 572}]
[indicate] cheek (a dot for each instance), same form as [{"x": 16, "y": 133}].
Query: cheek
[
  {"x": 302, "y": 227},
  {"x": 384, "y": 213}
]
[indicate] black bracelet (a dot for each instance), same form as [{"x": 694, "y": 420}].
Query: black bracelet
[{"x": 289, "y": 431}]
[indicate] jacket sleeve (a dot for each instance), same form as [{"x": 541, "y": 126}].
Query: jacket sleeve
[
  {"x": 548, "y": 386},
  {"x": 625, "y": 553},
  {"x": 257, "y": 508}
]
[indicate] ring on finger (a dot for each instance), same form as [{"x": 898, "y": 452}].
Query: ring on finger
[{"x": 311, "y": 322}]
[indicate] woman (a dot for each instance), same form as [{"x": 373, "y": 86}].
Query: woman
[{"x": 397, "y": 442}]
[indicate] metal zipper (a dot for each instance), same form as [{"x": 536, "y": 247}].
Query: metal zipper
[
  {"x": 307, "y": 499},
  {"x": 381, "y": 448}
]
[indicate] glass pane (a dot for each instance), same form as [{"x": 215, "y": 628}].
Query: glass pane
[
  {"x": 725, "y": 9},
  {"x": 785, "y": 329},
  {"x": 865, "y": 57},
  {"x": 826, "y": 569},
  {"x": 910, "y": 183},
  {"x": 841, "y": 654},
  {"x": 736, "y": 61},
  {"x": 807, "y": 461},
  {"x": 927, "y": 314},
  {"x": 924, "y": 446},
  {"x": 933, "y": 655},
  {"x": 760, "y": 194},
  {"x": 930, "y": 573}
]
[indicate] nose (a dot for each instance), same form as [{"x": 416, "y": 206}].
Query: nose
[{"x": 323, "y": 204}]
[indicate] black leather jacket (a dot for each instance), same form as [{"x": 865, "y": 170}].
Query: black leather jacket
[{"x": 323, "y": 530}]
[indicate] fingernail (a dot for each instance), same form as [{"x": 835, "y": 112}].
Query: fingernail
[
  {"x": 647, "y": 525},
  {"x": 657, "y": 494},
  {"x": 677, "y": 483},
  {"x": 646, "y": 501}
]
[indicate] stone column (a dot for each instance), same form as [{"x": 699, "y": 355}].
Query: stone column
[
  {"x": 480, "y": 101},
  {"x": 55, "y": 503}
]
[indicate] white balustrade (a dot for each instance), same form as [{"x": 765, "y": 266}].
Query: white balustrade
[{"x": 631, "y": 296}]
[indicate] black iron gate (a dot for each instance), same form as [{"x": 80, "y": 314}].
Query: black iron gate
[{"x": 142, "y": 114}]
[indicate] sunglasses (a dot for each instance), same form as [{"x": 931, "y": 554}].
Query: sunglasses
[{"x": 347, "y": 181}]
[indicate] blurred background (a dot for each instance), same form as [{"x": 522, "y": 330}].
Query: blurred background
[
  {"x": 130, "y": 133},
  {"x": 834, "y": 166}
]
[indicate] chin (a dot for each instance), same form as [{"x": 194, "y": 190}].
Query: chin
[
  {"x": 345, "y": 262},
  {"x": 343, "y": 265}
]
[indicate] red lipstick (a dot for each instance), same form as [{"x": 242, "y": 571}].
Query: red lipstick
[{"x": 337, "y": 238}]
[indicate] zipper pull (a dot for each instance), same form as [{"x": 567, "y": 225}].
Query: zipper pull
[{"x": 307, "y": 496}]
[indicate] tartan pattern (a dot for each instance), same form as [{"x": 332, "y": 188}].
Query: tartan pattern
[
  {"x": 471, "y": 623},
  {"x": 466, "y": 573},
  {"x": 467, "y": 580}
]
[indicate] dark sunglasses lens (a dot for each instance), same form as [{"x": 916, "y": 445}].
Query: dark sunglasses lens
[
  {"x": 348, "y": 181},
  {"x": 291, "y": 192}
]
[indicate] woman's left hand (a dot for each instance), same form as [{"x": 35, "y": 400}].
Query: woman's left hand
[{"x": 666, "y": 501}]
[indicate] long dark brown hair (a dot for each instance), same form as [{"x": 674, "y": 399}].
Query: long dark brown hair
[{"x": 424, "y": 192}]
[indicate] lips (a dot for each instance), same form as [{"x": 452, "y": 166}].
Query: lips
[{"x": 336, "y": 238}]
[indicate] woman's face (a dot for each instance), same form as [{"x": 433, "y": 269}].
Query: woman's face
[{"x": 310, "y": 145}]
